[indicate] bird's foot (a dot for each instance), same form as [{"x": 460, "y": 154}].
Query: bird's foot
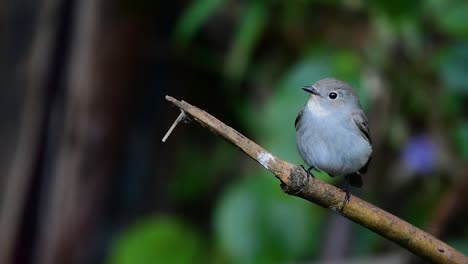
[
  {"x": 348, "y": 193},
  {"x": 309, "y": 172},
  {"x": 347, "y": 198}
]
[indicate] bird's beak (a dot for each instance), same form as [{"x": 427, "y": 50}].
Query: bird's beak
[{"x": 311, "y": 89}]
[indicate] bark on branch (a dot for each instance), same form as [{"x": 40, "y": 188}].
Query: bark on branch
[{"x": 294, "y": 181}]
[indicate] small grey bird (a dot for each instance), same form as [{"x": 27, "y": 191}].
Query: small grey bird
[{"x": 332, "y": 132}]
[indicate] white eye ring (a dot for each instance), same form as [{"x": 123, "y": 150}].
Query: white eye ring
[{"x": 332, "y": 95}]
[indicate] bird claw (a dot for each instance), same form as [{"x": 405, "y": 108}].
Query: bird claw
[
  {"x": 347, "y": 198},
  {"x": 309, "y": 173},
  {"x": 348, "y": 193}
]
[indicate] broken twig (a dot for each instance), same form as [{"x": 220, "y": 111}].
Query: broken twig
[{"x": 176, "y": 122}]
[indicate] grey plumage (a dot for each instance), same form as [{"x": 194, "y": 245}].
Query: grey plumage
[{"x": 332, "y": 130}]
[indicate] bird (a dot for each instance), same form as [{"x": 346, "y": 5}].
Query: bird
[{"x": 332, "y": 132}]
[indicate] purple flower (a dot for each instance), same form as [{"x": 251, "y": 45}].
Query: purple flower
[{"x": 420, "y": 154}]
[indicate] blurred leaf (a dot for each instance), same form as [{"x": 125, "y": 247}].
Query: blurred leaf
[
  {"x": 453, "y": 67},
  {"x": 450, "y": 16},
  {"x": 419, "y": 206},
  {"x": 385, "y": 31},
  {"x": 293, "y": 14},
  {"x": 194, "y": 17},
  {"x": 256, "y": 223},
  {"x": 198, "y": 172},
  {"x": 397, "y": 9},
  {"x": 412, "y": 36},
  {"x": 461, "y": 139},
  {"x": 452, "y": 104},
  {"x": 250, "y": 29},
  {"x": 158, "y": 240},
  {"x": 396, "y": 132},
  {"x": 364, "y": 241},
  {"x": 347, "y": 65}
]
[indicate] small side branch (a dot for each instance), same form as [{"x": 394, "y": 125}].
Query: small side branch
[
  {"x": 176, "y": 122},
  {"x": 295, "y": 181}
]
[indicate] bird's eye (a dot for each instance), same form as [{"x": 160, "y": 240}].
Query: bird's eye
[{"x": 332, "y": 95}]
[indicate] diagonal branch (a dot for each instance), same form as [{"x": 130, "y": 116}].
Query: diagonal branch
[{"x": 294, "y": 181}]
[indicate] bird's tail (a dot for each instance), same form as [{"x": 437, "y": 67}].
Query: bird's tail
[{"x": 355, "y": 180}]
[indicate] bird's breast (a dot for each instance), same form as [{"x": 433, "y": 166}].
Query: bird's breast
[{"x": 331, "y": 143}]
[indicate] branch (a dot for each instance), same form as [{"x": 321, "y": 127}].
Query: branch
[{"x": 294, "y": 181}]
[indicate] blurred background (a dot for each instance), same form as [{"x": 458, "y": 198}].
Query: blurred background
[{"x": 85, "y": 178}]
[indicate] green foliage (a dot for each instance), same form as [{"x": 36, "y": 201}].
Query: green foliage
[
  {"x": 461, "y": 139},
  {"x": 158, "y": 239},
  {"x": 194, "y": 18},
  {"x": 256, "y": 223},
  {"x": 250, "y": 28},
  {"x": 453, "y": 67},
  {"x": 364, "y": 241},
  {"x": 397, "y": 9},
  {"x": 195, "y": 178},
  {"x": 452, "y": 103},
  {"x": 450, "y": 16},
  {"x": 420, "y": 204}
]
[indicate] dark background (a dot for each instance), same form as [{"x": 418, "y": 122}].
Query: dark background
[{"x": 85, "y": 178}]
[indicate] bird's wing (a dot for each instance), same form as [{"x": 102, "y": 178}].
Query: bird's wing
[
  {"x": 298, "y": 118},
  {"x": 361, "y": 122},
  {"x": 364, "y": 168}
]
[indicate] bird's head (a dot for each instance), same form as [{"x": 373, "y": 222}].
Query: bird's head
[{"x": 329, "y": 95}]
